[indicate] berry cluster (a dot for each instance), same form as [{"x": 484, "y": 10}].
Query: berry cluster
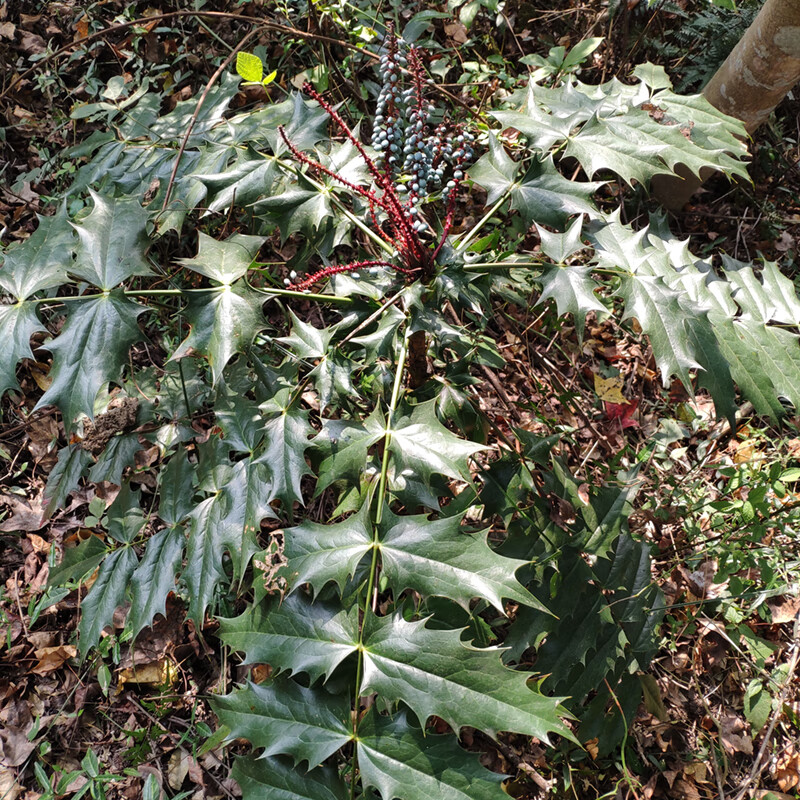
[{"x": 412, "y": 163}]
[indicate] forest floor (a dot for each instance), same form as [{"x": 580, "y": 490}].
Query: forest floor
[{"x": 722, "y": 715}]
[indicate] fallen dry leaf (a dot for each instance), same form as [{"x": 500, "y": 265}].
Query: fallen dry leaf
[
  {"x": 53, "y": 658},
  {"x": 25, "y": 516},
  {"x": 734, "y": 735}
]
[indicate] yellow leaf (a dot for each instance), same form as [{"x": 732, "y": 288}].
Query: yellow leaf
[
  {"x": 249, "y": 67},
  {"x": 610, "y": 389},
  {"x": 271, "y": 77}
]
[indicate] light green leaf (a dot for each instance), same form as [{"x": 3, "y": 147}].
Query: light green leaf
[
  {"x": 113, "y": 241},
  {"x": 659, "y": 312},
  {"x": 573, "y": 289},
  {"x": 91, "y": 350},
  {"x": 276, "y": 779},
  {"x": 560, "y": 246},
  {"x": 653, "y": 75},
  {"x": 757, "y": 706},
  {"x": 439, "y": 557},
  {"x": 249, "y": 67},
  {"x": 295, "y": 635},
  {"x": 108, "y": 592},
  {"x": 224, "y": 322},
  {"x": 285, "y": 718},
  {"x": 434, "y": 673},
  {"x": 224, "y": 261},
  {"x": 402, "y": 762}
]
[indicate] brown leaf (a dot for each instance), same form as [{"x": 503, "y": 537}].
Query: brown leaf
[
  {"x": 7, "y": 31},
  {"x": 53, "y": 658},
  {"x": 178, "y": 768},
  {"x": 32, "y": 43},
  {"x": 784, "y": 609},
  {"x": 734, "y": 735},
  {"x": 25, "y": 516}
]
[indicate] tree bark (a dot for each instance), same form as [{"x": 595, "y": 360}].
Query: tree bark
[{"x": 756, "y": 76}]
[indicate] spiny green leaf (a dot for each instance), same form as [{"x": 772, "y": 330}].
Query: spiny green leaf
[
  {"x": 439, "y": 557},
  {"x": 224, "y": 261},
  {"x": 295, "y": 635},
  {"x": 285, "y": 718},
  {"x": 573, "y": 289},
  {"x": 248, "y": 179},
  {"x": 401, "y": 761},
  {"x": 226, "y": 521},
  {"x": 91, "y": 350},
  {"x": 108, "y": 592},
  {"x": 318, "y": 554},
  {"x": 65, "y": 476},
  {"x": 42, "y": 261},
  {"x": 154, "y": 578},
  {"x": 78, "y": 562},
  {"x": 421, "y": 445},
  {"x": 661, "y": 315},
  {"x": 117, "y": 455},
  {"x": 542, "y": 193},
  {"x": 286, "y": 438},
  {"x": 276, "y": 779},
  {"x": 561, "y": 246},
  {"x": 435, "y": 673},
  {"x": 176, "y": 489},
  {"x": 345, "y": 446},
  {"x": 224, "y": 322},
  {"x": 113, "y": 240},
  {"x": 125, "y": 515},
  {"x": 18, "y": 323},
  {"x": 305, "y": 124}
]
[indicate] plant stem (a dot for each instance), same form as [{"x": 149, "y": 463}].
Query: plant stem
[
  {"x": 373, "y": 567},
  {"x": 473, "y": 232}
]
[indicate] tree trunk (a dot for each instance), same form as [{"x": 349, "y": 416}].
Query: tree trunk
[{"x": 756, "y": 76}]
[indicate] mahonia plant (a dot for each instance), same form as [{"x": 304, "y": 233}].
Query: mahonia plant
[
  {"x": 412, "y": 164},
  {"x": 373, "y": 592}
]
